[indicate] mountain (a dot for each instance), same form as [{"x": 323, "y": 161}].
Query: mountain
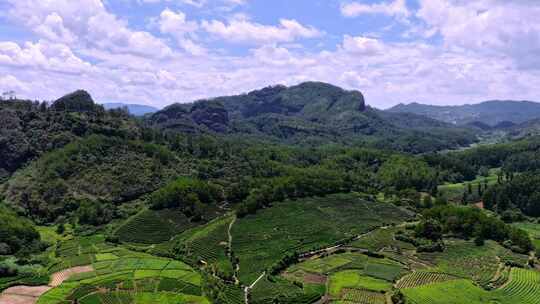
[
  {"x": 489, "y": 112},
  {"x": 309, "y": 113},
  {"x": 134, "y": 109}
]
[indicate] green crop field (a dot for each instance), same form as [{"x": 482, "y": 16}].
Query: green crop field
[
  {"x": 449, "y": 292},
  {"x": 465, "y": 259},
  {"x": 209, "y": 244},
  {"x": 263, "y": 239},
  {"x": 354, "y": 279},
  {"x": 454, "y": 192},
  {"x": 151, "y": 227},
  {"x": 143, "y": 278},
  {"x": 351, "y": 276},
  {"x": 523, "y": 287},
  {"x": 380, "y": 239},
  {"x": 419, "y": 278},
  {"x": 120, "y": 276},
  {"x": 270, "y": 289}
]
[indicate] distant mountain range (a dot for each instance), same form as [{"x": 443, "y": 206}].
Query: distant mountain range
[
  {"x": 490, "y": 113},
  {"x": 313, "y": 113},
  {"x": 134, "y": 109}
]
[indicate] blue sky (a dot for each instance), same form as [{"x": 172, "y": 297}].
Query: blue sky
[{"x": 158, "y": 52}]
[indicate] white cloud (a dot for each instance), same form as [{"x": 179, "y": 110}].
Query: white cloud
[
  {"x": 396, "y": 8},
  {"x": 199, "y": 3},
  {"x": 10, "y": 82},
  {"x": 245, "y": 31},
  {"x": 79, "y": 44},
  {"x": 52, "y": 57},
  {"x": 281, "y": 56},
  {"x": 508, "y": 28},
  {"x": 362, "y": 45},
  {"x": 176, "y": 24},
  {"x": 53, "y": 29},
  {"x": 88, "y": 23},
  {"x": 196, "y": 3}
]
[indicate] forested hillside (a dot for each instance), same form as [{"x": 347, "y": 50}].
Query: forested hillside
[
  {"x": 310, "y": 113},
  {"x": 283, "y": 195},
  {"x": 28, "y": 129}
]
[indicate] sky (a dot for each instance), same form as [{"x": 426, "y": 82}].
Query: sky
[{"x": 158, "y": 52}]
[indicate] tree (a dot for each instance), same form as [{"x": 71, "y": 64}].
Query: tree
[
  {"x": 430, "y": 229},
  {"x": 427, "y": 202},
  {"x": 61, "y": 228}
]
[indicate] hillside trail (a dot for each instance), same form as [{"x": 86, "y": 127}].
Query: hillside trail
[
  {"x": 248, "y": 288},
  {"x": 22, "y": 294},
  {"x": 236, "y": 266}
]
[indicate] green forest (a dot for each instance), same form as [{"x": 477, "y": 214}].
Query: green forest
[{"x": 297, "y": 194}]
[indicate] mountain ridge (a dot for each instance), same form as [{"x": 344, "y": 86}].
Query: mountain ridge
[
  {"x": 134, "y": 109},
  {"x": 310, "y": 112},
  {"x": 491, "y": 112}
]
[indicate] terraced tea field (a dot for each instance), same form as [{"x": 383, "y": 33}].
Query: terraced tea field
[
  {"x": 209, "y": 244},
  {"x": 351, "y": 277},
  {"x": 449, "y": 292},
  {"x": 523, "y": 287},
  {"x": 297, "y": 226},
  {"x": 361, "y": 296},
  {"x": 151, "y": 227},
  {"x": 419, "y": 278},
  {"x": 271, "y": 289},
  {"x": 465, "y": 259},
  {"x": 380, "y": 239}
]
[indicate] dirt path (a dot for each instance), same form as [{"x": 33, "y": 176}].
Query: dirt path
[
  {"x": 230, "y": 234},
  {"x": 248, "y": 288},
  {"x": 22, "y": 294}
]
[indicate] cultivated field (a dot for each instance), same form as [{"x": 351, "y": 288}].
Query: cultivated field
[
  {"x": 151, "y": 227},
  {"x": 263, "y": 239}
]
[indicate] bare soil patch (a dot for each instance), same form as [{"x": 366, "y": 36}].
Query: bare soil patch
[
  {"x": 30, "y": 294},
  {"x": 22, "y": 294},
  {"x": 59, "y": 277},
  {"x": 314, "y": 278}
]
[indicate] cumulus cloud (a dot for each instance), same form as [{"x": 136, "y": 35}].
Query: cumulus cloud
[
  {"x": 81, "y": 44},
  {"x": 177, "y": 25},
  {"x": 362, "y": 45},
  {"x": 244, "y": 31},
  {"x": 281, "y": 56},
  {"x": 51, "y": 57},
  {"x": 88, "y": 23},
  {"x": 396, "y": 8},
  {"x": 509, "y": 28}
]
